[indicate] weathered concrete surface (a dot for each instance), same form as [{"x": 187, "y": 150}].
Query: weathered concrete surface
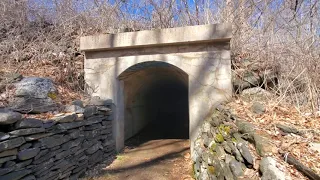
[
  {"x": 172, "y": 36},
  {"x": 198, "y": 57}
]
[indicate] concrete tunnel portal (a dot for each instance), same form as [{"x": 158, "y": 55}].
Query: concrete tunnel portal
[
  {"x": 170, "y": 79},
  {"x": 156, "y": 101}
]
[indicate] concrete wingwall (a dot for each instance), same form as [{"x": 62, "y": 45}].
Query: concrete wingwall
[{"x": 197, "y": 56}]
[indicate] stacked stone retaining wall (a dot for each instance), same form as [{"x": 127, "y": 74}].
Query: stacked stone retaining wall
[
  {"x": 230, "y": 148},
  {"x": 63, "y": 147}
]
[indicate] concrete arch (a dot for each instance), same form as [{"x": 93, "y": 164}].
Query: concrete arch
[{"x": 201, "y": 52}]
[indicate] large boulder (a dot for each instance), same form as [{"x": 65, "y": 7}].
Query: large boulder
[{"x": 34, "y": 95}]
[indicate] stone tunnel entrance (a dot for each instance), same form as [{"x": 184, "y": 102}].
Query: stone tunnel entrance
[
  {"x": 170, "y": 79},
  {"x": 156, "y": 101}
]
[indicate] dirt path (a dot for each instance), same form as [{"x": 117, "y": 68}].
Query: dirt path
[{"x": 167, "y": 159}]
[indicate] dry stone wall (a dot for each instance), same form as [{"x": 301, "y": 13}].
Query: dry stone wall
[
  {"x": 63, "y": 147},
  {"x": 230, "y": 148}
]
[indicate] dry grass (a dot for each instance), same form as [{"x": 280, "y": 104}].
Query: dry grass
[{"x": 41, "y": 38}]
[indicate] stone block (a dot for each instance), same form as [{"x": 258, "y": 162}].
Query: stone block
[
  {"x": 246, "y": 154},
  {"x": 92, "y": 127},
  {"x": 41, "y": 153},
  {"x": 74, "y": 133},
  {"x": 37, "y": 136},
  {"x": 61, "y": 164},
  {"x": 95, "y": 158},
  {"x": 80, "y": 117},
  {"x": 9, "y": 164},
  {"x": 28, "y": 153},
  {"x": 48, "y": 124},
  {"x": 71, "y": 125},
  {"x": 81, "y": 158},
  {"x": 75, "y": 149},
  {"x": 235, "y": 167},
  {"x": 11, "y": 152},
  {"x": 47, "y": 156},
  {"x": 80, "y": 168},
  {"x": 49, "y": 175},
  {"x": 54, "y": 140},
  {"x": 91, "y": 134},
  {"x": 93, "y": 120},
  {"x": 11, "y": 143},
  {"x": 28, "y": 123},
  {"x": 62, "y": 155},
  {"x": 264, "y": 146},
  {"x": 94, "y": 148},
  {"x": 9, "y": 117},
  {"x": 74, "y": 109},
  {"x": 45, "y": 166},
  {"x": 16, "y": 175},
  {"x": 226, "y": 147},
  {"x": 65, "y": 117},
  {"x": 235, "y": 152},
  {"x": 269, "y": 169},
  {"x": 5, "y": 170},
  {"x": 245, "y": 127},
  {"x": 90, "y": 111},
  {"x": 25, "y": 146},
  {"x": 23, "y": 132},
  {"x": 68, "y": 145},
  {"x": 23, "y": 164},
  {"x": 65, "y": 174},
  {"x": 29, "y": 177},
  {"x": 106, "y": 131},
  {"x": 4, "y": 136}
]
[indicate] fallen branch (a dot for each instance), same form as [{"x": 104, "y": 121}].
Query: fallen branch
[{"x": 300, "y": 167}]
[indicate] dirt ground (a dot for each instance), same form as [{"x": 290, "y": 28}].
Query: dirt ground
[{"x": 161, "y": 159}]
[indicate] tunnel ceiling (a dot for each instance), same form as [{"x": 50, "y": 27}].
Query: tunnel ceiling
[{"x": 144, "y": 76}]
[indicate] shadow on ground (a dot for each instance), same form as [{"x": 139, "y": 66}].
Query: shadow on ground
[{"x": 150, "y": 155}]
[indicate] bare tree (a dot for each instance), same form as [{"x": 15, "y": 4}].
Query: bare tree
[{"x": 268, "y": 33}]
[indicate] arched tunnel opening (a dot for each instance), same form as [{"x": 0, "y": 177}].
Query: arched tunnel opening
[{"x": 156, "y": 102}]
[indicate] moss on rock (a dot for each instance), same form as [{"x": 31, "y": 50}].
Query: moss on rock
[
  {"x": 211, "y": 170},
  {"x": 219, "y": 138},
  {"x": 213, "y": 147}
]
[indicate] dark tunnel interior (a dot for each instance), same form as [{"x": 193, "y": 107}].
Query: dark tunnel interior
[
  {"x": 156, "y": 102},
  {"x": 171, "y": 120}
]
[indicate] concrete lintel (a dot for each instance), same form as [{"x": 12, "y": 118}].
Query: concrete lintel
[{"x": 159, "y": 37}]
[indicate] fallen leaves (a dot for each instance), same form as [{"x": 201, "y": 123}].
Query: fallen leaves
[{"x": 296, "y": 145}]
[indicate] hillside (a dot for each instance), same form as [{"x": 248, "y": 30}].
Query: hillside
[
  {"x": 275, "y": 55},
  {"x": 271, "y": 38}
]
